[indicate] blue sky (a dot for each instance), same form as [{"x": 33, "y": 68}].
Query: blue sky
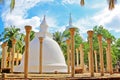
[{"x": 30, "y": 12}]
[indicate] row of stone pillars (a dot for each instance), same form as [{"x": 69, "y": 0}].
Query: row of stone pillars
[
  {"x": 81, "y": 57},
  {"x": 70, "y": 61},
  {"x": 71, "y": 54},
  {"x": 10, "y": 58},
  {"x": 26, "y": 57}
]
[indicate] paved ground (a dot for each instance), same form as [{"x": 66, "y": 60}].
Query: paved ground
[{"x": 84, "y": 76}]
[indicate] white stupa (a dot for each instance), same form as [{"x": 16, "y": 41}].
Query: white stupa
[{"x": 53, "y": 59}]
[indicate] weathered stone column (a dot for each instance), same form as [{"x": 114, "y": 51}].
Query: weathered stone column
[
  {"x": 96, "y": 66},
  {"x": 90, "y": 36},
  {"x": 27, "y": 41},
  {"x": 40, "y": 59},
  {"x": 89, "y": 61},
  {"x": 70, "y": 57},
  {"x": 101, "y": 54},
  {"x": 72, "y": 33},
  {"x": 17, "y": 59},
  {"x": 107, "y": 60},
  {"x": 68, "y": 54},
  {"x": 10, "y": 57},
  {"x": 110, "y": 56},
  {"x": 81, "y": 57},
  {"x": 13, "y": 52},
  {"x": 3, "y": 56},
  {"x": 77, "y": 57}
]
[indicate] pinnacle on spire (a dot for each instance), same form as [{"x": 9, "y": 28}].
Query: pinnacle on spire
[
  {"x": 43, "y": 25},
  {"x": 44, "y": 19},
  {"x": 70, "y": 20}
]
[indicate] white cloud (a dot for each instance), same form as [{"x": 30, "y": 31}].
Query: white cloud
[
  {"x": 20, "y": 22},
  {"x": 71, "y": 1},
  {"x": 19, "y": 14},
  {"x": 110, "y": 19},
  {"x": 51, "y": 21},
  {"x": 84, "y": 24},
  {"x": 1, "y": 43}
]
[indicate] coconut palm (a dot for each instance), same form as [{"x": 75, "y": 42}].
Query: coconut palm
[
  {"x": 32, "y": 35},
  {"x": 11, "y": 33},
  {"x": 58, "y": 37}
]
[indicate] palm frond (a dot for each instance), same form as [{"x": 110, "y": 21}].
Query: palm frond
[
  {"x": 12, "y": 5},
  {"x": 112, "y": 4},
  {"x": 82, "y": 2},
  {"x": 1, "y": 1}
]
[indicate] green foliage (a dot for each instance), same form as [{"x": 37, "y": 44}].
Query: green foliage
[
  {"x": 115, "y": 45},
  {"x": 106, "y": 34},
  {"x": 9, "y": 34},
  {"x": 14, "y": 33},
  {"x": 60, "y": 38}
]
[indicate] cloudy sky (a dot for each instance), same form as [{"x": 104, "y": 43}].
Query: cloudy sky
[{"x": 30, "y": 12}]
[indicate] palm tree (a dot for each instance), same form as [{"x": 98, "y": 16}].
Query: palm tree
[
  {"x": 32, "y": 35},
  {"x": 9, "y": 34},
  {"x": 58, "y": 37}
]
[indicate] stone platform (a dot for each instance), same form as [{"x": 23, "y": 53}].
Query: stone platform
[{"x": 84, "y": 76}]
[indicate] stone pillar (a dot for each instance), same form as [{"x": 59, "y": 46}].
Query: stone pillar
[
  {"x": 13, "y": 53},
  {"x": 70, "y": 57},
  {"x": 101, "y": 54},
  {"x": 68, "y": 54},
  {"x": 110, "y": 56},
  {"x": 40, "y": 59},
  {"x": 77, "y": 57},
  {"x": 72, "y": 33},
  {"x": 10, "y": 57},
  {"x": 90, "y": 36},
  {"x": 89, "y": 61},
  {"x": 107, "y": 60},
  {"x": 81, "y": 57},
  {"x": 96, "y": 66},
  {"x": 3, "y": 57},
  {"x": 27, "y": 41},
  {"x": 17, "y": 59}
]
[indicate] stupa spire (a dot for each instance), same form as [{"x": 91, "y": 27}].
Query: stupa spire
[
  {"x": 70, "y": 21},
  {"x": 43, "y": 25},
  {"x": 44, "y": 19}
]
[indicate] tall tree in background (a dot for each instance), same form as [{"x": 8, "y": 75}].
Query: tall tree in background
[
  {"x": 11, "y": 33},
  {"x": 106, "y": 34},
  {"x": 60, "y": 38},
  {"x": 14, "y": 33}
]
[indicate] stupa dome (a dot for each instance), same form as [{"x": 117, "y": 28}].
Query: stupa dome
[{"x": 53, "y": 58}]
